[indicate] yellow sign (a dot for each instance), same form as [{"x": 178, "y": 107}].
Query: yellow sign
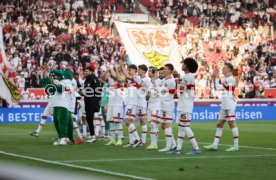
[{"x": 13, "y": 90}]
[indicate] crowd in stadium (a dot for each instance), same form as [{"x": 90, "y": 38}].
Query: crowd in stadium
[{"x": 40, "y": 34}]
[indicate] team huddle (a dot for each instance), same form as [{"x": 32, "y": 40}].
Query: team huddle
[{"x": 131, "y": 93}]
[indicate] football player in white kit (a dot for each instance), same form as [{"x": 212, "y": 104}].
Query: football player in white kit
[
  {"x": 167, "y": 91},
  {"x": 154, "y": 103},
  {"x": 185, "y": 107},
  {"x": 142, "y": 102},
  {"x": 228, "y": 107},
  {"x": 115, "y": 105},
  {"x": 132, "y": 103}
]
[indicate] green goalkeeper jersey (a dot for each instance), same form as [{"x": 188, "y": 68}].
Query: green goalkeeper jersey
[{"x": 105, "y": 94}]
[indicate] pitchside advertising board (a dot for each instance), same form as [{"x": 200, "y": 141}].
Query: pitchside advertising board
[{"x": 204, "y": 111}]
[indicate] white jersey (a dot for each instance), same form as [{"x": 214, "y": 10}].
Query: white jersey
[
  {"x": 227, "y": 87},
  {"x": 186, "y": 98},
  {"x": 132, "y": 91},
  {"x": 63, "y": 99},
  {"x": 73, "y": 95},
  {"x": 154, "y": 92},
  {"x": 115, "y": 93},
  {"x": 145, "y": 85},
  {"x": 167, "y": 91}
]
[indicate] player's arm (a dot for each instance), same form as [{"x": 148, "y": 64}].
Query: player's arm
[
  {"x": 119, "y": 75},
  {"x": 104, "y": 76},
  {"x": 217, "y": 84}
]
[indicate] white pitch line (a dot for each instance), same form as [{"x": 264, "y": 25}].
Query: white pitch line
[
  {"x": 171, "y": 158},
  {"x": 76, "y": 166},
  {"x": 250, "y": 147}
]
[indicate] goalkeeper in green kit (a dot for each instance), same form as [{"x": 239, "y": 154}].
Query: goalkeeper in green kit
[{"x": 104, "y": 102}]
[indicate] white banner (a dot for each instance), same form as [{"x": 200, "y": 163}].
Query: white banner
[
  {"x": 150, "y": 44},
  {"x": 8, "y": 89}
]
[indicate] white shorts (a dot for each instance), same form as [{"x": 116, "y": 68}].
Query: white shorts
[
  {"x": 153, "y": 114},
  {"x": 141, "y": 111},
  {"x": 166, "y": 116},
  {"x": 227, "y": 115},
  {"x": 184, "y": 118},
  {"x": 130, "y": 111},
  {"x": 114, "y": 114},
  {"x": 82, "y": 108},
  {"x": 48, "y": 111}
]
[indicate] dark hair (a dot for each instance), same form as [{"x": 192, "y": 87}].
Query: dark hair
[
  {"x": 132, "y": 66},
  {"x": 89, "y": 69},
  {"x": 230, "y": 66},
  {"x": 191, "y": 64},
  {"x": 76, "y": 74},
  {"x": 143, "y": 67},
  {"x": 161, "y": 69},
  {"x": 170, "y": 66}
]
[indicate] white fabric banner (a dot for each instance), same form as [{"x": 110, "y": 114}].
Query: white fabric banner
[
  {"x": 8, "y": 89},
  {"x": 152, "y": 45}
]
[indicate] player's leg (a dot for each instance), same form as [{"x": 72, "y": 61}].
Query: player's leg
[
  {"x": 186, "y": 122},
  {"x": 97, "y": 124},
  {"x": 83, "y": 118},
  {"x": 132, "y": 131},
  {"x": 89, "y": 118},
  {"x": 104, "y": 112},
  {"x": 118, "y": 119},
  {"x": 48, "y": 112},
  {"x": 109, "y": 118},
  {"x": 143, "y": 123},
  {"x": 84, "y": 125},
  {"x": 181, "y": 133},
  {"x": 166, "y": 124},
  {"x": 235, "y": 132},
  {"x": 154, "y": 118},
  {"x": 219, "y": 131},
  {"x": 102, "y": 123},
  {"x": 79, "y": 139}
]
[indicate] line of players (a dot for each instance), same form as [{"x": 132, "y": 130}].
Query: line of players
[{"x": 151, "y": 99}]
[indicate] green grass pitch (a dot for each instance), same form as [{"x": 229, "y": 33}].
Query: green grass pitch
[{"x": 255, "y": 160}]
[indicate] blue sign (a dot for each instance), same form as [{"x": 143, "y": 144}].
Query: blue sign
[
  {"x": 200, "y": 114},
  {"x": 21, "y": 115}
]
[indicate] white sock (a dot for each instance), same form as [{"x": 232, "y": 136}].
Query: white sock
[
  {"x": 181, "y": 136},
  {"x": 191, "y": 136},
  {"x": 134, "y": 132},
  {"x": 84, "y": 129},
  {"x": 112, "y": 131},
  {"x": 144, "y": 133},
  {"x": 76, "y": 129},
  {"x": 103, "y": 127},
  {"x": 217, "y": 136},
  {"x": 120, "y": 130},
  {"x": 41, "y": 124},
  {"x": 235, "y": 133},
  {"x": 131, "y": 138},
  {"x": 97, "y": 125},
  {"x": 173, "y": 140},
  {"x": 153, "y": 134},
  {"x": 168, "y": 137}
]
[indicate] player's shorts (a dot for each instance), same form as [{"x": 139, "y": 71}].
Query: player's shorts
[
  {"x": 82, "y": 108},
  {"x": 183, "y": 118},
  {"x": 48, "y": 111},
  {"x": 227, "y": 115},
  {"x": 130, "y": 111},
  {"x": 166, "y": 116},
  {"x": 153, "y": 114},
  {"x": 141, "y": 111},
  {"x": 115, "y": 114}
]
